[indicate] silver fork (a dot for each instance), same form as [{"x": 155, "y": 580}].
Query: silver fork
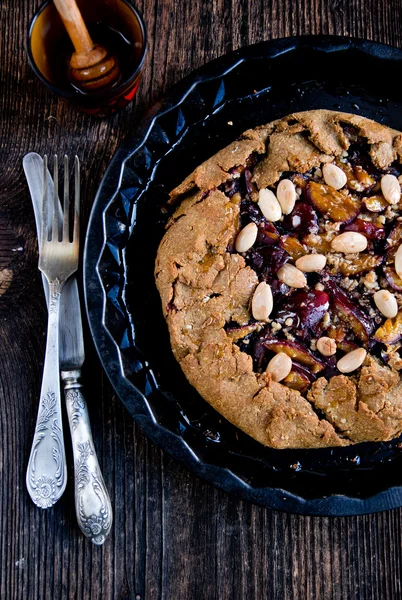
[{"x": 58, "y": 259}]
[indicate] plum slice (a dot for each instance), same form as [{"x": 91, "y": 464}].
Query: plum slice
[
  {"x": 308, "y": 306},
  {"x": 376, "y": 203},
  {"x": 336, "y": 332},
  {"x": 351, "y": 315},
  {"x": 393, "y": 241},
  {"x": 267, "y": 260},
  {"x": 236, "y": 333},
  {"x": 333, "y": 204},
  {"x": 364, "y": 180},
  {"x": 277, "y": 259},
  {"x": 318, "y": 242},
  {"x": 299, "y": 378},
  {"x": 296, "y": 351},
  {"x": 390, "y": 331},
  {"x": 393, "y": 278},
  {"x": 297, "y": 381},
  {"x": 366, "y": 228},
  {"x": 358, "y": 179},
  {"x": 363, "y": 263},
  {"x": 251, "y": 210},
  {"x": 231, "y": 187},
  {"x": 395, "y": 236},
  {"x": 302, "y": 220},
  {"x": 279, "y": 288},
  {"x": 346, "y": 346},
  {"x": 267, "y": 234},
  {"x": 258, "y": 349},
  {"x": 250, "y": 186},
  {"x": 293, "y": 247}
]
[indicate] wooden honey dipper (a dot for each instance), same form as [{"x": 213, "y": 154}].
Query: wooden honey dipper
[{"x": 91, "y": 66}]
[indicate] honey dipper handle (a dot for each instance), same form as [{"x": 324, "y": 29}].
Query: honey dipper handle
[{"x": 74, "y": 23}]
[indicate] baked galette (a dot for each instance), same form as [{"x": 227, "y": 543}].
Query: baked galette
[{"x": 280, "y": 275}]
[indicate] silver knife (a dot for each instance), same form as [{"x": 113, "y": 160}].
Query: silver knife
[{"x": 92, "y": 502}]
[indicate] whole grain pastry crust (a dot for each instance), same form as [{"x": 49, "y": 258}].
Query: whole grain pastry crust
[{"x": 204, "y": 286}]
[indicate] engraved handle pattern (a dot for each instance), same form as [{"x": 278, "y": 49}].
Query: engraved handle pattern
[
  {"x": 46, "y": 477},
  {"x": 92, "y": 502}
]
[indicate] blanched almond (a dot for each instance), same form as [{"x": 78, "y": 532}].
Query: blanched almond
[
  {"x": 334, "y": 176},
  {"x": 348, "y": 242},
  {"x": 310, "y": 263},
  {"x": 326, "y": 345},
  {"x": 352, "y": 360},
  {"x": 386, "y": 303},
  {"x": 279, "y": 366},
  {"x": 292, "y": 276},
  {"x": 246, "y": 237},
  {"x": 398, "y": 261},
  {"x": 262, "y": 302},
  {"x": 391, "y": 189},
  {"x": 269, "y": 205},
  {"x": 286, "y": 194}
]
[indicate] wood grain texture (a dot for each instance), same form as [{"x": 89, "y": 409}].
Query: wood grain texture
[{"x": 175, "y": 537}]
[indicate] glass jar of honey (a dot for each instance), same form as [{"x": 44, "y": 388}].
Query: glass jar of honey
[{"x": 113, "y": 24}]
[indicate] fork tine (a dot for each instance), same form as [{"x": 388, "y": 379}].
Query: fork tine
[
  {"x": 55, "y": 220},
  {"x": 45, "y": 231},
  {"x": 76, "y": 229},
  {"x": 66, "y": 202}
]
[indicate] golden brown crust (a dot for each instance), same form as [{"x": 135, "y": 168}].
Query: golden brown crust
[{"x": 203, "y": 286}]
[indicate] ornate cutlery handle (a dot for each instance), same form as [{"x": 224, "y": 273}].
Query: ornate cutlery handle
[
  {"x": 92, "y": 502},
  {"x": 46, "y": 474}
]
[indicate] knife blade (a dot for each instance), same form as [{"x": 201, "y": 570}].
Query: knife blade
[
  {"x": 72, "y": 354},
  {"x": 92, "y": 502}
]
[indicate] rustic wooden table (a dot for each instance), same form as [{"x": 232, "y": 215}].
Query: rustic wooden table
[{"x": 174, "y": 536}]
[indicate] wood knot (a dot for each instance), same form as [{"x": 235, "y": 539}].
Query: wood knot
[
  {"x": 6, "y": 277},
  {"x": 10, "y": 249}
]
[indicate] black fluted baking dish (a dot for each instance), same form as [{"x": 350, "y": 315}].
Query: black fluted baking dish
[{"x": 202, "y": 114}]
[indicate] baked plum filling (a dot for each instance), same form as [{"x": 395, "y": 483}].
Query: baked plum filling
[{"x": 326, "y": 246}]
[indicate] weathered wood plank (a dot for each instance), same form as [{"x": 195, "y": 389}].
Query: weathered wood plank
[{"x": 175, "y": 537}]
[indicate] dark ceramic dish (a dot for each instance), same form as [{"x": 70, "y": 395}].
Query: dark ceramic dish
[{"x": 202, "y": 114}]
